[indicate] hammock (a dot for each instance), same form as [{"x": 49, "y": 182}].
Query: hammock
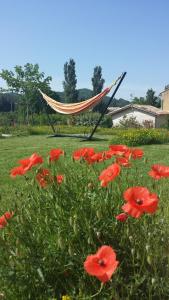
[{"x": 76, "y": 108}]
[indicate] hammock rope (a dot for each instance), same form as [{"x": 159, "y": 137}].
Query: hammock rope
[{"x": 76, "y": 108}]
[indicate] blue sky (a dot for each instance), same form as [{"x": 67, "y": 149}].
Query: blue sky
[{"x": 123, "y": 35}]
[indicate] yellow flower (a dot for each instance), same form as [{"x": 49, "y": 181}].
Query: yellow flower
[{"x": 66, "y": 297}]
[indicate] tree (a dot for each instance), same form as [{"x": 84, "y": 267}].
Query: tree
[
  {"x": 69, "y": 85},
  {"x": 7, "y": 102},
  {"x": 151, "y": 99},
  {"x": 139, "y": 100},
  {"x": 97, "y": 82},
  {"x": 25, "y": 81}
]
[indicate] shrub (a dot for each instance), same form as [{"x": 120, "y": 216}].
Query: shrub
[
  {"x": 129, "y": 122},
  {"x": 135, "y": 137}
]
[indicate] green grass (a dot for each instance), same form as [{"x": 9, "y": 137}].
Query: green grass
[
  {"x": 54, "y": 229},
  {"x": 13, "y": 149}
]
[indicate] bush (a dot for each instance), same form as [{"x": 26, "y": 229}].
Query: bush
[
  {"x": 129, "y": 122},
  {"x": 136, "y": 137}
]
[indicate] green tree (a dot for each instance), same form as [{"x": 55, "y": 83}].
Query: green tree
[
  {"x": 25, "y": 81},
  {"x": 151, "y": 99},
  {"x": 97, "y": 82},
  {"x": 139, "y": 100},
  {"x": 69, "y": 84}
]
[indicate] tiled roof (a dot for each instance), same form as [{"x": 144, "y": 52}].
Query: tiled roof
[{"x": 146, "y": 108}]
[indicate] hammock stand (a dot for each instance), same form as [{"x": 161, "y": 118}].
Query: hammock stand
[{"x": 89, "y": 138}]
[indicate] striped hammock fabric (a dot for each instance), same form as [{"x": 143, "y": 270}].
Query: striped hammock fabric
[{"x": 76, "y": 108}]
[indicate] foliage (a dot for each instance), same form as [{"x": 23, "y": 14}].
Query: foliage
[
  {"x": 129, "y": 122},
  {"x": 139, "y": 100},
  {"x": 11, "y": 121},
  {"x": 7, "y": 102},
  {"x": 54, "y": 229},
  {"x": 142, "y": 136},
  {"x": 25, "y": 82},
  {"x": 97, "y": 82},
  {"x": 149, "y": 99},
  {"x": 69, "y": 84}
]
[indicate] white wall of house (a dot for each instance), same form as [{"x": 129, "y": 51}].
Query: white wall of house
[{"x": 132, "y": 112}]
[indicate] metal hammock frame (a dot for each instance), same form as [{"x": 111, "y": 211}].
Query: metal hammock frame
[{"x": 119, "y": 80}]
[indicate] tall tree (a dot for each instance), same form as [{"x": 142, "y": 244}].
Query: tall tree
[
  {"x": 69, "y": 84},
  {"x": 97, "y": 82},
  {"x": 25, "y": 81},
  {"x": 151, "y": 99}
]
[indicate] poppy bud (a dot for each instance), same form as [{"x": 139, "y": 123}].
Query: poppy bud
[
  {"x": 89, "y": 241},
  {"x": 75, "y": 227},
  {"x": 60, "y": 242},
  {"x": 90, "y": 185},
  {"x": 149, "y": 259},
  {"x": 71, "y": 221},
  {"x": 147, "y": 247},
  {"x": 132, "y": 251},
  {"x": 70, "y": 251},
  {"x": 153, "y": 281},
  {"x": 98, "y": 214},
  {"x": 98, "y": 234}
]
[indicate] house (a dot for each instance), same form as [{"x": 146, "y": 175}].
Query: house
[
  {"x": 165, "y": 98},
  {"x": 144, "y": 114}
]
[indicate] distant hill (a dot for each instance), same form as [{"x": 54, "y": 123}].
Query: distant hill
[{"x": 87, "y": 93}]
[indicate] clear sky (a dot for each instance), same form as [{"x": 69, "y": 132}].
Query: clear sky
[{"x": 119, "y": 35}]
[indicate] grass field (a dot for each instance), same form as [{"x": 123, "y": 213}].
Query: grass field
[
  {"x": 137, "y": 272},
  {"x": 13, "y": 149}
]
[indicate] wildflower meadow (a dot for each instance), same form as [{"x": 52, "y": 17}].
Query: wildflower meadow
[{"x": 86, "y": 225}]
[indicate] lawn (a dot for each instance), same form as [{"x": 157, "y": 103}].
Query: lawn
[
  {"x": 48, "y": 248},
  {"x": 13, "y": 149}
]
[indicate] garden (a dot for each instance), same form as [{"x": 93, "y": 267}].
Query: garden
[{"x": 84, "y": 220}]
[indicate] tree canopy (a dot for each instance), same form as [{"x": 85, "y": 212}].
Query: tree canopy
[
  {"x": 97, "y": 83},
  {"x": 25, "y": 82},
  {"x": 149, "y": 99},
  {"x": 69, "y": 84}
]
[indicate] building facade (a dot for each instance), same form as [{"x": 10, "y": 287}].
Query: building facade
[
  {"x": 165, "y": 98},
  {"x": 144, "y": 114}
]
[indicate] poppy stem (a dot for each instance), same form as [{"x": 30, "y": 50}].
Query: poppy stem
[{"x": 101, "y": 287}]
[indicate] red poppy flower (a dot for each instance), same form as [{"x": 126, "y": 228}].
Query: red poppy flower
[
  {"x": 83, "y": 153},
  {"x": 29, "y": 162},
  {"x": 102, "y": 264},
  {"x": 108, "y": 154},
  {"x": 97, "y": 157},
  {"x": 137, "y": 153},
  {"x": 55, "y": 154},
  {"x": 43, "y": 177},
  {"x": 26, "y": 164},
  {"x": 109, "y": 174},
  {"x": 139, "y": 201},
  {"x": 123, "y": 161},
  {"x": 122, "y": 217},
  {"x": 127, "y": 154},
  {"x": 59, "y": 178},
  {"x": 3, "y": 221},
  {"x": 159, "y": 171},
  {"x": 8, "y": 215},
  {"x": 17, "y": 171},
  {"x": 118, "y": 149}
]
